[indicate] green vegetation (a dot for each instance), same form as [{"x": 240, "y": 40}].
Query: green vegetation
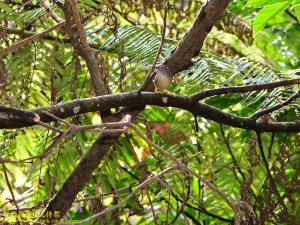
[{"x": 78, "y": 142}]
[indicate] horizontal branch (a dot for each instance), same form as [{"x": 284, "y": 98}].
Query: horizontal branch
[
  {"x": 277, "y": 106},
  {"x": 243, "y": 89},
  {"x": 26, "y": 41},
  {"x": 14, "y": 118},
  {"x": 33, "y": 36}
]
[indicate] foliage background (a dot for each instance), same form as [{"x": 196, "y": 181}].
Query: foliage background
[{"x": 126, "y": 36}]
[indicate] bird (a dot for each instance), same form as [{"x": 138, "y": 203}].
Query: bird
[{"x": 163, "y": 78}]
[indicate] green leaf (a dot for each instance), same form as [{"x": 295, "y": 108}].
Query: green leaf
[
  {"x": 298, "y": 212},
  {"x": 297, "y": 11},
  {"x": 295, "y": 2},
  {"x": 261, "y": 3},
  {"x": 139, "y": 44},
  {"x": 266, "y": 13},
  {"x": 5, "y": 7}
]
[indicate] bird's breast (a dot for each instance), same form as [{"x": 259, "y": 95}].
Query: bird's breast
[{"x": 162, "y": 82}]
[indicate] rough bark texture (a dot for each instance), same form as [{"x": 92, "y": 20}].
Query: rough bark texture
[
  {"x": 141, "y": 99},
  {"x": 64, "y": 198},
  {"x": 191, "y": 44}
]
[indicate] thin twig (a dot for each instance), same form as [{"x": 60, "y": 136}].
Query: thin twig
[
  {"x": 149, "y": 74},
  {"x": 243, "y": 89},
  {"x": 57, "y": 140},
  {"x": 184, "y": 202},
  {"x": 202, "y": 209},
  {"x": 275, "y": 107},
  {"x": 226, "y": 141},
  {"x": 139, "y": 187},
  {"x": 112, "y": 125},
  {"x": 55, "y": 117},
  {"x": 271, "y": 145},
  {"x": 27, "y": 160},
  {"x": 39, "y": 205},
  {"x": 26, "y": 41},
  {"x": 51, "y": 12},
  {"x": 8, "y": 185},
  {"x": 182, "y": 166},
  {"x": 49, "y": 126},
  {"x": 292, "y": 16},
  {"x": 269, "y": 175},
  {"x": 143, "y": 177},
  {"x": 35, "y": 37},
  {"x": 108, "y": 193}
]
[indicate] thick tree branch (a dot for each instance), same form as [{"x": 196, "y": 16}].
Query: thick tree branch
[
  {"x": 191, "y": 43},
  {"x": 11, "y": 118},
  {"x": 79, "y": 41}
]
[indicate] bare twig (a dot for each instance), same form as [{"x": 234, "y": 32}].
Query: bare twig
[
  {"x": 271, "y": 146},
  {"x": 115, "y": 192},
  {"x": 133, "y": 193},
  {"x": 49, "y": 126},
  {"x": 26, "y": 41},
  {"x": 184, "y": 202},
  {"x": 243, "y": 89},
  {"x": 79, "y": 41},
  {"x": 51, "y": 11},
  {"x": 149, "y": 74},
  {"x": 143, "y": 176},
  {"x": 26, "y": 34},
  {"x": 226, "y": 141},
  {"x": 202, "y": 209},
  {"x": 185, "y": 168},
  {"x": 269, "y": 175},
  {"x": 8, "y": 184},
  {"x": 27, "y": 160},
  {"x": 292, "y": 15},
  {"x": 114, "y": 125},
  {"x": 117, "y": 127},
  {"x": 39, "y": 205},
  {"x": 35, "y": 37},
  {"x": 275, "y": 107},
  {"x": 56, "y": 118}
]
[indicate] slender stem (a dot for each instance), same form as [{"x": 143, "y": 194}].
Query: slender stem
[
  {"x": 292, "y": 15},
  {"x": 149, "y": 74},
  {"x": 183, "y": 167},
  {"x": 133, "y": 193},
  {"x": 275, "y": 107},
  {"x": 226, "y": 141},
  {"x": 269, "y": 175},
  {"x": 26, "y": 41},
  {"x": 8, "y": 185},
  {"x": 143, "y": 177},
  {"x": 271, "y": 145},
  {"x": 243, "y": 89}
]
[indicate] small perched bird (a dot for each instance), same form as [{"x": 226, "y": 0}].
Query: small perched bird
[{"x": 163, "y": 78}]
